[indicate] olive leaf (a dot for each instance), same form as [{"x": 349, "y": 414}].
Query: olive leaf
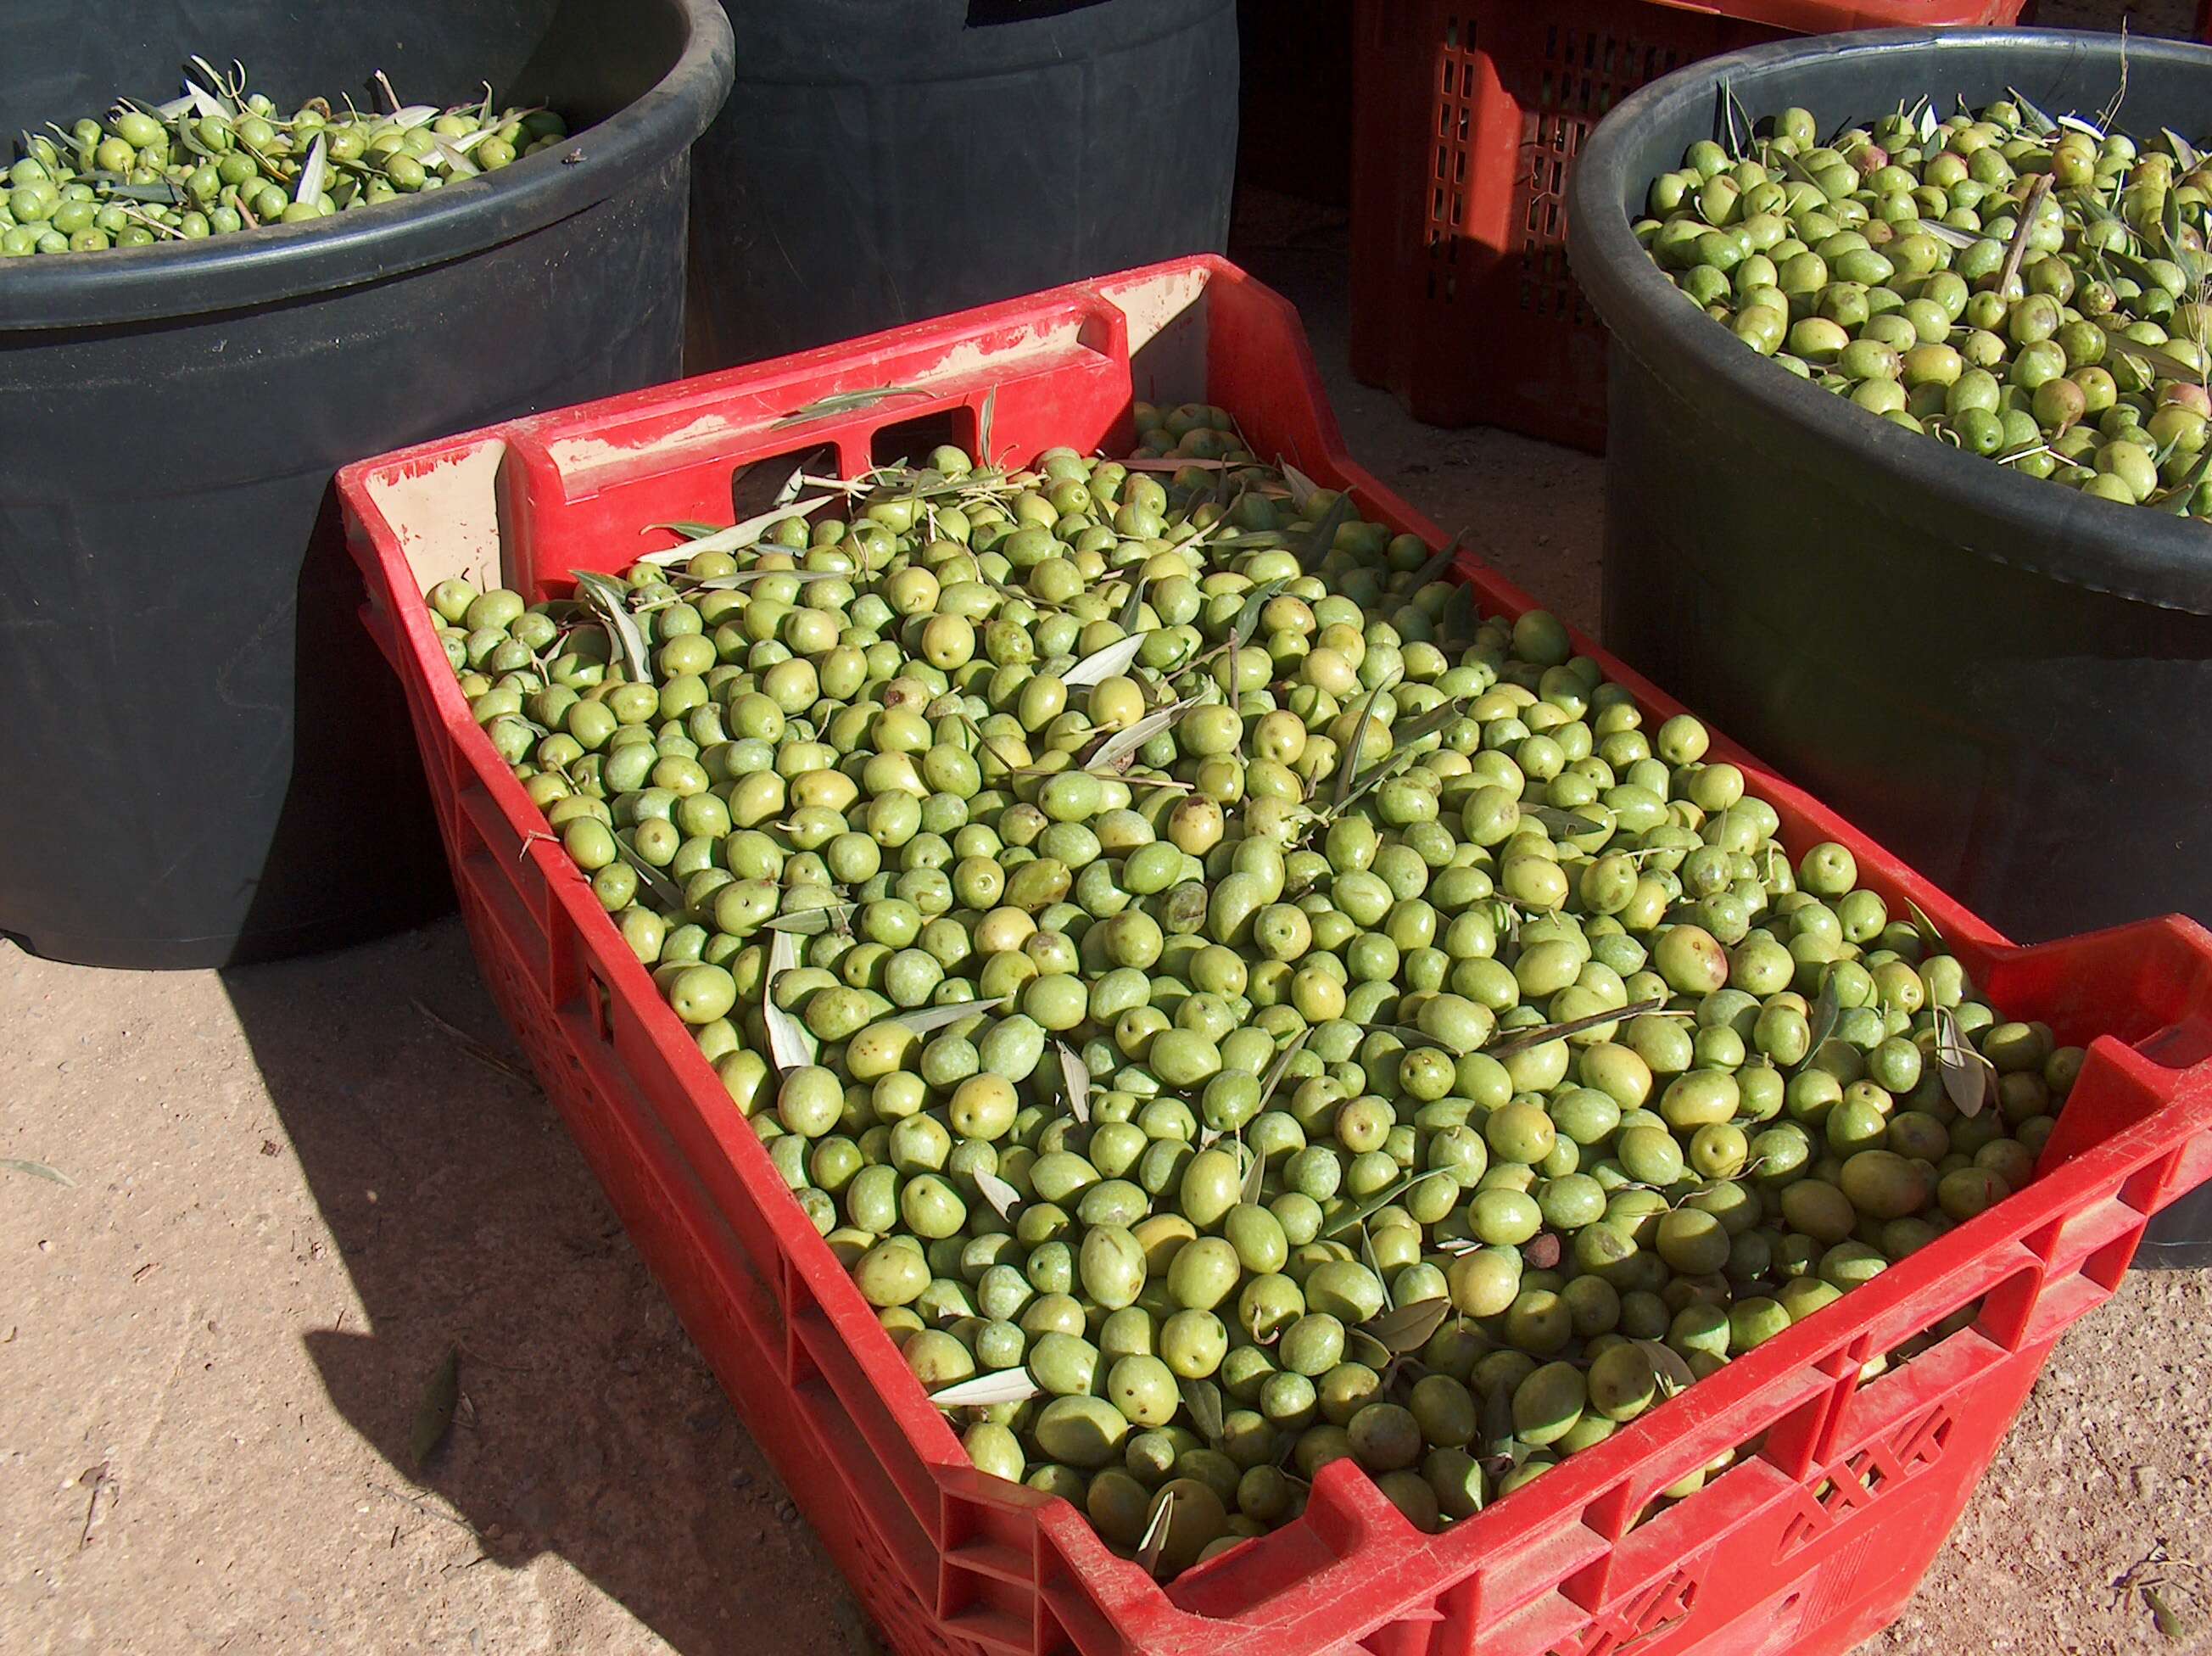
[
  {"x": 227, "y": 104},
  {"x": 1949, "y": 234},
  {"x": 2184, "y": 151},
  {"x": 1964, "y": 1071},
  {"x": 1123, "y": 744},
  {"x": 1439, "y": 718},
  {"x": 1668, "y": 1366},
  {"x": 1314, "y": 545},
  {"x": 687, "y": 528},
  {"x": 791, "y": 1044},
  {"x": 1256, "y": 1178},
  {"x": 2173, "y": 367},
  {"x": 1521, "y": 1040},
  {"x": 2074, "y": 123},
  {"x": 1362, "y": 1347},
  {"x": 1737, "y": 113},
  {"x": 1350, "y": 760},
  {"x": 457, "y": 161},
  {"x": 2181, "y": 253},
  {"x": 741, "y": 578},
  {"x": 1258, "y": 540},
  {"x": 1103, "y": 663},
  {"x": 665, "y": 891},
  {"x": 922, "y": 1019},
  {"x": 1374, "y": 1265},
  {"x": 1362, "y": 1212},
  {"x": 808, "y": 923},
  {"x": 2170, "y": 1622},
  {"x": 609, "y": 600},
  {"x": 1075, "y": 1077},
  {"x": 1302, "y": 487},
  {"x": 1003, "y": 1197},
  {"x": 1402, "y": 755},
  {"x": 788, "y": 491},
  {"x": 1562, "y": 823},
  {"x": 986, "y": 422},
  {"x": 39, "y": 1170},
  {"x": 1203, "y": 1399},
  {"x": 1408, "y": 1327},
  {"x": 1820, "y": 1020},
  {"x": 1134, "y": 610},
  {"x": 2177, "y": 500},
  {"x": 1435, "y": 567},
  {"x": 1928, "y": 121},
  {"x": 843, "y": 402},
  {"x": 2037, "y": 123},
  {"x": 434, "y": 1415},
  {"x": 1155, "y": 1539},
  {"x": 151, "y": 195},
  {"x": 1931, "y": 941},
  {"x": 985, "y": 1391},
  {"x": 736, "y": 538},
  {"x": 314, "y": 172},
  {"x": 1171, "y": 463},
  {"x": 1248, "y": 617},
  {"x": 1280, "y": 1067}
]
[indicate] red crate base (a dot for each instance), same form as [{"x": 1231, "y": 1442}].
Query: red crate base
[
  {"x": 1845, "y": 1487},
  {"x": 1468, "y": 115}
]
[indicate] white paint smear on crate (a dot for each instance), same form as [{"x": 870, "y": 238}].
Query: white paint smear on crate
[
  {"x": 969, "y": 360},
  {"x": 1167, "y": 328},
  {"x": 573, "y": 455},
  {"x": 447, "y": 515}
]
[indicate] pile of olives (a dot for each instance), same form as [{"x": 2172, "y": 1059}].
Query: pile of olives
[
  {"x": 220, "y": 160},
  {"x": 2029, "y": 289},
  {"x": 1231, "y": 1006}
]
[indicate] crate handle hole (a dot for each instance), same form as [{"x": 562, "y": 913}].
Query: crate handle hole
[
  {"x": 910, "y": 440},
  {"x": 603, "y": 1001},
  {"x": 755, "y": 485}
]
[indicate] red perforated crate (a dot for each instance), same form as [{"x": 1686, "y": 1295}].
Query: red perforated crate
[
  {"x": 1468, "y": 117},
  {"x": 1814, "y": 1539}
]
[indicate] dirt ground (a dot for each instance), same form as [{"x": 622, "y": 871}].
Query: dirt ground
[{"x": 263, "y": 1207}]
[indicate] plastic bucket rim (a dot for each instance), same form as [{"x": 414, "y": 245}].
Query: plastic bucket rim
[
  {"x": 282, "y": 262},
  {"x": 2162, "y": 559}
]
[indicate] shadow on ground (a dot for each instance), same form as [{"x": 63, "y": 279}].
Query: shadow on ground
[{"x": 587, "y": 1425}]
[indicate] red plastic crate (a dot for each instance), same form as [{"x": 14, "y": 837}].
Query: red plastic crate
[
  {"x": 1808, "y": 1543},
  {"x": 1468, "y": 117}
]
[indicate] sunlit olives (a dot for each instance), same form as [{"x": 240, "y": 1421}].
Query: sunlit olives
[
  {"x": 2010, "y": 283},
  {"x": 223, "y": 160},
  {"x": 1231, "y": 1006}
]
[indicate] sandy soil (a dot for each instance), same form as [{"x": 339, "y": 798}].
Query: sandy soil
[{"x": 284, "y": 1196}]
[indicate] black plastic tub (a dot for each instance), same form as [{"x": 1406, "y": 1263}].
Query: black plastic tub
[
  {"x": 203, "y": 761},
  {"x": 883, "y": 161},
  {"x": 2005, "y": 681}
]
